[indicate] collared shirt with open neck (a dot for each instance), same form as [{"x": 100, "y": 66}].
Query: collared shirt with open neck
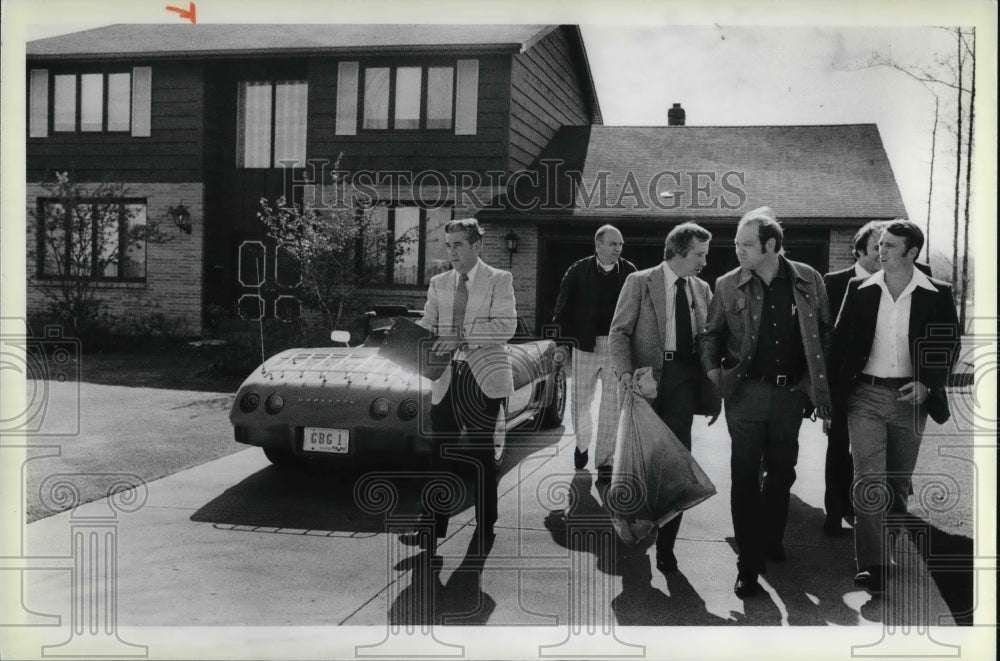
[
  {"x": 604, "y": 267},
  {"x": 860, "y": 271},
  {"x": 890, "y": 353},
  {"x": 779, "y": 344},
  {"x": 670, "y": 332}
]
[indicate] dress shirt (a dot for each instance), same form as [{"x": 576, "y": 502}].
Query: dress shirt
[
  {"x": 860, "y": 271},
  {"x": 670, "y": 334},
  {"x": 890, "y": 354}
]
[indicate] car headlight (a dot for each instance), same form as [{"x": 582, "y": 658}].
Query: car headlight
[
  {"x": 249, "y": 402},
  {"x": 380, "y": 408},
  {"x": 274, "y": 403},
  {"x": 408, "y": 409}
]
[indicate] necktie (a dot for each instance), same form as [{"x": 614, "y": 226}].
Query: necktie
[
  {"x": 458, "y": 310},
  {"x": 682, "y": 316}
]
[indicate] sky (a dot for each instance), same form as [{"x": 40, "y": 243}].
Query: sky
[{"x": 727, "y": 63}]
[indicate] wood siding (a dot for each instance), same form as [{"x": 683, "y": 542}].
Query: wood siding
[
  {"x": 545, "y": 93},
  {"x": 173, "y": 153},
  {"x": 416, "y": 150}
]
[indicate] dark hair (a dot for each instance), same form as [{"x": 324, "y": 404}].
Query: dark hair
[
  {"x": 910, "y": 233},
  {"x": 862, "y": 236},
  {"x": 679, "y": 239},
  {"x": 767, "y": 227},
  {"x": 473, "y": 232}
]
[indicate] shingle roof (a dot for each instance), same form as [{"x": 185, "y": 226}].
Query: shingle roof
[
  {"x": 821, "y": 172},
  {"x": 173, "y": 40}
]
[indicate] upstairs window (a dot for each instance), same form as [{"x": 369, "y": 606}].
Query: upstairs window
[
  {"x": 408, "y": 98},
  {"x": 100, "y": 239},
  {"x": 271, "y": 123},
  {"x": 91, "y": 102}
]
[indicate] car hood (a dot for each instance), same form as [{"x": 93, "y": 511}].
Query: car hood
[{"x": 356, "y": 367}]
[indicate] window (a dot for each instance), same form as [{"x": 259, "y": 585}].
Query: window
[
  {"x": 91, "y": 102},
  {"x": 101, "y": 239},
  {"x": 408, "y": 98},
  {"x": 413, "y": 250},
  {"x": 271, "y": 123}
]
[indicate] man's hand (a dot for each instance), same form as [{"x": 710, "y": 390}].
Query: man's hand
[
  {"x": 824, "y": 413},
  {"x": 445, "y": 344},
  {"x": 713, "y": 376},
  {"x": 914, "y": 392}
]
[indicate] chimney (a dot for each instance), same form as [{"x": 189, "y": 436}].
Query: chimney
[{"x": 675, "y": 116}]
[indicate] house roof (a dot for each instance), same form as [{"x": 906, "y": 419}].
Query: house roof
[
  {"x": 186, "y": 40},
  {"x": 807, "y": 172}
]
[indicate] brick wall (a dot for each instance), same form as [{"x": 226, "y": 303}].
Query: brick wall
[
  {"x": 173, "y": 268},
  {"x": 841, "y": 246}
]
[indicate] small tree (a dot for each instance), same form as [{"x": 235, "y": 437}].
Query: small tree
[
  {"x": 338, "y": 251},
  {"x": 84, "y": 235}
]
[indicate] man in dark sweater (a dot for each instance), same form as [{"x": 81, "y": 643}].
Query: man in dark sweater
[{"x": 586, "y": 303}]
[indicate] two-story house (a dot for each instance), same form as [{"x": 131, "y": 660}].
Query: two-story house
[
  {"x": 435, "y": 122},
  {"x": 214, "y": 117}
]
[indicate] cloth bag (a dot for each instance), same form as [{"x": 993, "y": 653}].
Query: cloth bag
[{"x": 655, "y": 477}]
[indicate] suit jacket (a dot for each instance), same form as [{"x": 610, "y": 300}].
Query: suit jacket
[
  {"x": 933, "y": 340},
  {"x": 575, "y": 312},
  {"x": 490, "y": 320},
  {"x": 637, "y": 331}
]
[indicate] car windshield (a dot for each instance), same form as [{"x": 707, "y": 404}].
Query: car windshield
[{"x": 378, "y": 328}]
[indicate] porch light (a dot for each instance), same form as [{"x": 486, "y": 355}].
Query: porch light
[
  {"x": 181, "y": 217},
  {"x": 512, "y": 240}
]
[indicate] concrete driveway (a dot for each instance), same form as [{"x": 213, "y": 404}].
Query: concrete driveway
[{"x": 236, "y": 558}]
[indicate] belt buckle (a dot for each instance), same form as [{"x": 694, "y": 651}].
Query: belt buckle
[
  {"x": 668, "y": 356},
  {"x": 781, "y": 380}
]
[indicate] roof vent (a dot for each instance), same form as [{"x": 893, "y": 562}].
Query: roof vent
[{"x": 675, "y": 116}]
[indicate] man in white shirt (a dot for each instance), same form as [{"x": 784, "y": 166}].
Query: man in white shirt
[{"x": 896, "y": 339}]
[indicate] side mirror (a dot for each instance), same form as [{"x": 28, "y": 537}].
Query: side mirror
[{"x": 340, "y": 338}]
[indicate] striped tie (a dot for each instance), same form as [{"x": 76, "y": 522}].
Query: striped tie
[{"x": 458, "y": 311}]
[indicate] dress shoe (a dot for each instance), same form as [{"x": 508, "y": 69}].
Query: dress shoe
[
  {"x": 776, "y": 553},
  {"x": 604, "y": 474},
  {"x": 667, "y": 562},
  {"x": 746, "y": 586},
  {"x": 580, "y": 459},
  {"x": 871, "y": 578}
]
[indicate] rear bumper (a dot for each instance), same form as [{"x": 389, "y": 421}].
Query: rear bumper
[{"x": 367, "y": 446}]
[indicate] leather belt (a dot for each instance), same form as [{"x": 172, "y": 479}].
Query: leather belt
[
  {"x": 892, "y": 382},
  {"x": 779, "y": 380}
]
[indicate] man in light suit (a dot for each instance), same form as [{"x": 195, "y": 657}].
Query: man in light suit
[
  {"x": 896, "y": 339},
  {"x": 472, "y": 310},
  {"x": 655, "y": 324}
]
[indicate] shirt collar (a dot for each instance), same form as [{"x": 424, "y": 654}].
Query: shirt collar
[
  {"x": 669, "y": 275},
  {"x": 472, "y": 272},
  {"x": 600, "y": 267},
  {"x": 860, "y": 271},
  {"x": 919, "y": 279}
]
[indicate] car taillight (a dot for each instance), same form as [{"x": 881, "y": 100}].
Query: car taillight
[
  {"x": 380, "y": 408},
  {"x": 274, "y": 403},
  {"x": 408, "y": 409},
  {"x": 250, "y": 402}
]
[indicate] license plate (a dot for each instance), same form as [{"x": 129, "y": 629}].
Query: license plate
[{"x": 319, "y": 439}]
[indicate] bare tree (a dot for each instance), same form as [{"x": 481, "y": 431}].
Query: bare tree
[
  {"x": 338, "y": 250},
  {"x": 971, "y": 50}
]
